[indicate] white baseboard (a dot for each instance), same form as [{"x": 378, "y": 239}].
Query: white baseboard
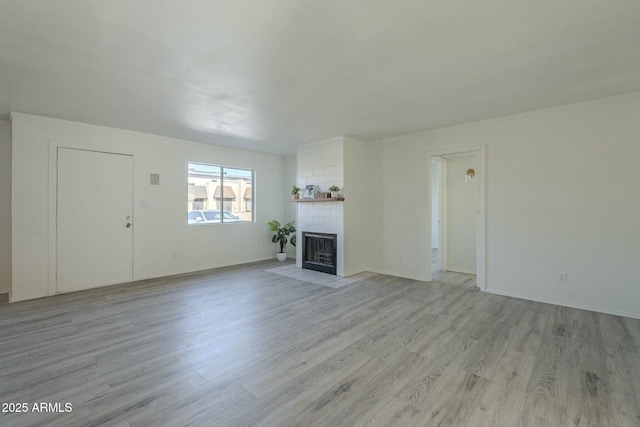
[
  {"x": 459, "y": 270},
  {"x": 564, "y": 303}
]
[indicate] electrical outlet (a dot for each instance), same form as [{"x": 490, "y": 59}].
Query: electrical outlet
[{"x": 562, "y": 277}]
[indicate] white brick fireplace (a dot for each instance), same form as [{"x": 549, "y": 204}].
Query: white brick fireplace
[{"x": 324, "y": 164}]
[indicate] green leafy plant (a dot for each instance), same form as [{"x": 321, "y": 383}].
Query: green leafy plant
[
  {"x": 295, "y": 190},
  {"x": 282, "y": 233},
  {"x": 334, "y": 188}
]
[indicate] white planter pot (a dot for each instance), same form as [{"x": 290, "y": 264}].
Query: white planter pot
[{"x": 282, "y": 256}]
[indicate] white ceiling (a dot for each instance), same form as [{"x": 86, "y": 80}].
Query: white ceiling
[{"x": 267, "y": 75}]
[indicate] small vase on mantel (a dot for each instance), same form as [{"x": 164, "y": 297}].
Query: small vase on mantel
[{"x": 334, "y": 191}]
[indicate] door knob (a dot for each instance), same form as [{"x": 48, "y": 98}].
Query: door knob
[{"x": 128, "y": 225}]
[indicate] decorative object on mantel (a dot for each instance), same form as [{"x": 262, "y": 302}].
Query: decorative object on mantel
[
  {"x": 282, "y": 236},
  {"x": 469, "y": 174},
  {"x": 295, "y": 192},
  {"x": 309, "y": 192},
  {"x": 334, "y": 191}
]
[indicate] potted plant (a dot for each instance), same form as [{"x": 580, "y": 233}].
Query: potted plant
[
  {"x": 281, "y": 236},
  {"x": 334, "y": 191},
  {"x": 295, "y": 192}
]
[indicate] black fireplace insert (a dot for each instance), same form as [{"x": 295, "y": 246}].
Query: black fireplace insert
[{"x": 319, "y": 252}]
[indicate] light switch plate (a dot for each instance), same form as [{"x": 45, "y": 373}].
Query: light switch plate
[{"x": 155, "y": 179}]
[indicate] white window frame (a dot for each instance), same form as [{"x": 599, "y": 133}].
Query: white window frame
[{"x": 240, "y": 200}]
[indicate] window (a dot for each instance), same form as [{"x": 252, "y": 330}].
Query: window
[{"x": 218, "y": 194}]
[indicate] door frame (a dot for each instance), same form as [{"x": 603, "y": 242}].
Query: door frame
[
  {"x": 52, "y": 203},
  {"x": 442, "y": 210},
  {"x": 480, "y": 151}
]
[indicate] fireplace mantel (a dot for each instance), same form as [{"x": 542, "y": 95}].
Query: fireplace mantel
[{"x": 329, "y": 199}]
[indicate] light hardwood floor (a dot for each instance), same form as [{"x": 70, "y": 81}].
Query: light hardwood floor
[
  {"x": 244, "y": 347},
  {"x": 462, "y": 279}
]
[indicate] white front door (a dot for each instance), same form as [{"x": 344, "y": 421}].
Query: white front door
[{"x": 94, "y": 219}]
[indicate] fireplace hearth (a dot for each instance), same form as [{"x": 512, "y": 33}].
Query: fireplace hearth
[{"x": 319, "y": 252}]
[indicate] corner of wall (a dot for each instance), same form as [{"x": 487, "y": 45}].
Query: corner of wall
[
  {"x": 290, "y": 178},
  {"x": 5, "y": 207}
]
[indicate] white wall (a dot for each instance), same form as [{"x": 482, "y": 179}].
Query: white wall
[
  {"x": 434, "y": 206},
  {"x": 562, "y": 196},
  {"x": 355, "y": 211},
  {"x": 159, "y": 211},
  {"x": 5, "y": 207},
  {"x": 461, "y": 214},
  {"x": 290, "y": 208},
  {"x": 397, "y": 242}
]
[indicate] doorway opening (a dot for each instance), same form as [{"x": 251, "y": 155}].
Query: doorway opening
[{"x": 456, "y": 216}]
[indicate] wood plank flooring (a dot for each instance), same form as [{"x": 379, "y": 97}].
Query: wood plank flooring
[
  {"x": 464, "y": 279},
  {"x": 244, "y": 347}
]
